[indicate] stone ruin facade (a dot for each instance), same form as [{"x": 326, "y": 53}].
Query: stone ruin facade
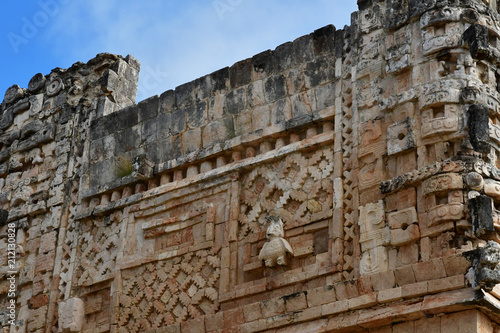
[{"x": 348, "y": 181}]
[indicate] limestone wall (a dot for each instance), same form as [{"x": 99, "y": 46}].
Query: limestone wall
[{"x": 347, "y": 181}]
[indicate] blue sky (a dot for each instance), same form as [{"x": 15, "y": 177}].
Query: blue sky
[{"x": 175, "y": 41}]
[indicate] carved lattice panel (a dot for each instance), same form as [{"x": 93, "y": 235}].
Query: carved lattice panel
[
  {"x": 297, "y": 188},
  {"x": 164, "y": 292},
  {"x": 99, "y": 241}
]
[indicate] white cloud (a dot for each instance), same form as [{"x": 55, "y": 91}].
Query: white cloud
[{"x": 186, "y": 39}]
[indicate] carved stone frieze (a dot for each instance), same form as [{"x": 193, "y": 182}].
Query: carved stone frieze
[
  {"x": 169, "y": 291},
  {"x": 36, "y": 83},
  {"x": 420, "y": 175},
  {"x": 297, "y": 189},
  {"x": 440, "y": 124},
  {"x": 443, "y": 182}
]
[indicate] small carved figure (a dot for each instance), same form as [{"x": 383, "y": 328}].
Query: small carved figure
[{"x": 276, "y": 250}]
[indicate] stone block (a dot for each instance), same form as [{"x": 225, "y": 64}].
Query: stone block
[
  {"x": 171, "y": 123},
  {"x": 403, "y": 236},
  {"x": 429, "y": 270},
  {"x": 404, "y": 275},
  {"x": 455, "y": 265},
  {"x": 274, "y": 88},
  {"x": 407, "y": 327},
  {"x": 45, "y": 262},
  {"x": 191, "y": 140},
  {"x": 362, "y": 301},
  {"x": 295, "y": 302},
  {"x": 255, "y": 94},
  {"x": 414, "y": 289},
  {"x": 71, "y": 315},
  {"x": 214, "y": 322},
  {"x": 390, "y": 295},
  {"x": 335, "y": 307},
  {"x": 481, "y": 212},
  {"x": 217, "y": 131},
  {"x": 149, "y": 131},
  {"x": 166, "y": 102},
  {"x": 321, "y": 296},
  {"x": 445, "y": 284},
  {"x": 400, "y": 137},
  {"x": 477, "y": 36},
  {"x": 48, "y": 242},
  {"x": 302, "y": 49},
  {"x": 39, "y": 301},
  {"x": 127, "y": 140},
  {"x": 193, "y": 325},
  {"x": 383, "y": 280},
  {"x": 220, "y": 80},
  {"x": 303, "y": 104},
  {"x": 236, "y": 101},
  {"x": 148, "y": 108},
  {"x": 114, "y": 122},
  {"x": 428, "y": 325},
  {"x": 252, "y": 312},
  {"x": 319, "y": 71},
  {"x": 403, "y": 218},
  {"x": 184, "y": 94},
  {"x": 240, "y": 73},
  {"x": 273, "y": 307},
  {"x": 234, "y": 317},
  {"x": 478, "y": 123},
  {"x": 263, "y": 64},
  {"x": 460, "y": 322},
  {"x": 284, "y": 57},
  {"x": 261, "y": 117}
]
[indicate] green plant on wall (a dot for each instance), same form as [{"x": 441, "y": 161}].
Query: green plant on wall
[{"x": 123, "y": 166}]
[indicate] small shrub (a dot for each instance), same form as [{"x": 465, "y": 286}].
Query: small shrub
[{"x": 123, "y": 166}]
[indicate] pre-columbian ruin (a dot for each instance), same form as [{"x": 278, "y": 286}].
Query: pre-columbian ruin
[{"x": 348, "y": 181}]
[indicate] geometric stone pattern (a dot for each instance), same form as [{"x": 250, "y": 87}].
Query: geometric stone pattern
[
  {"x": 97, "y": 251},
  {"x": 297, "y": 188},
  {"x": 170, "y": 291},
  {"x": 377, "y": 146}
]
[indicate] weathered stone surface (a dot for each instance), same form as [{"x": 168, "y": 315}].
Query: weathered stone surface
[
  {"x": 374, "y": 148},
  {"x": 71, "y": 315},
  {"x": 485, "y": 269},
  {"x": 478, "y": 127}
]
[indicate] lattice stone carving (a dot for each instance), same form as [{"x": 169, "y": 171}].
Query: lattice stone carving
[
  {"x": 164, "y": 292},
  {"x": 97, "y": 251},
  {"x": 297, "y": 188}
]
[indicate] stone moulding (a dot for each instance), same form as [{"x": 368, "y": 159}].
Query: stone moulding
[
  {"x": 320, "y": 139},
  {"x": 417, "y": 176}
]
